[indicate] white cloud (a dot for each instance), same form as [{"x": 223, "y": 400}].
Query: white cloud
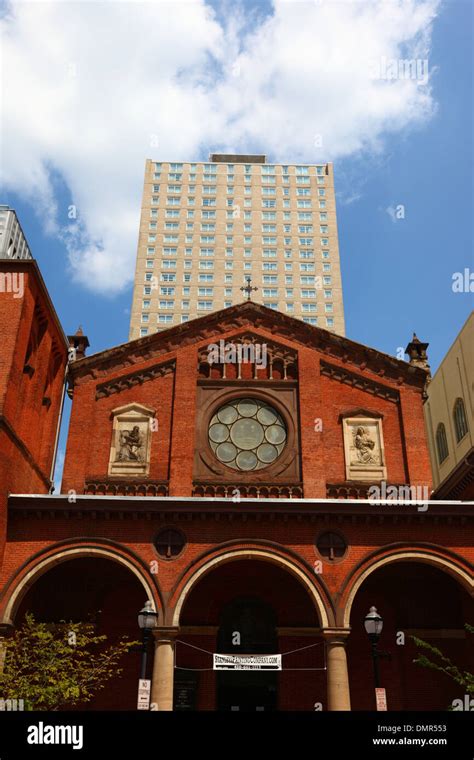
[{"x": 90, "y": 87}]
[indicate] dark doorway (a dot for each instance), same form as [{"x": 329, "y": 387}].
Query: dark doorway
[{"x": 247, "y": 626}]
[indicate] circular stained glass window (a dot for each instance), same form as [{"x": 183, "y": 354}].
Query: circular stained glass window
[{"x": 247, "y": 434}]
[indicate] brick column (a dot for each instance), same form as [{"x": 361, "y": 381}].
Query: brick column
[
  {"x": 338, "y": 692},
  {"x": 184, "y": 411},
  {"x": 415, "y": 438},
  {"x": 163, "y": 669},
  {"x": 311, "y": 406}
]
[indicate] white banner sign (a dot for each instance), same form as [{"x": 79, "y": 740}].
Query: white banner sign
[
  {"x": 247, "y": 662},
  {"x": 144, "y": 688}
]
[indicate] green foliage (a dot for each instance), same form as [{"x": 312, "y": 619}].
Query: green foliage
[
  {"x": 52, "y": 666},
  {"x": 436, "y": 660}
]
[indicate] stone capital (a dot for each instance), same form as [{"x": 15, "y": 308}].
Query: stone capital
[
  {"x": 162, "y": 634},
  {"x": 336, "y": 635}
]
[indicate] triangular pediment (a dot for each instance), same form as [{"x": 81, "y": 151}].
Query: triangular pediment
[{"x": 255, "y": 321}]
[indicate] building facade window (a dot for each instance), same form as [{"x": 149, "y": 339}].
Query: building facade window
[
  {"x": 441, "y": 443},
  {"x": 247, "y": 434},
  {"x": 460, "y": 419}
]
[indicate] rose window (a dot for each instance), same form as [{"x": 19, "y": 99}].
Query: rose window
[{"x": 247, "y": 434}]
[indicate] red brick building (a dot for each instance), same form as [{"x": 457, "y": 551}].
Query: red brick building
[{"x": 225, "y": 469}]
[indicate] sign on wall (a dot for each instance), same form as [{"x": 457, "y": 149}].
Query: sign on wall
[
  {"x": 247, "y": 662},
  {"x": 381, "y": 699},
  {"x": 144, "y": 688}
]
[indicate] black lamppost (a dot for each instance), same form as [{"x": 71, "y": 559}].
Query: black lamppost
[
  {"x": 373, "y": 624},
  {"x": 147, "y": 618}
]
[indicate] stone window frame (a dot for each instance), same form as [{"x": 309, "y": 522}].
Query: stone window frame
[
  {"x": 321, "y": 556},
  {"x": 166, "y": 529},
  {"x": 133, "y": 413}
]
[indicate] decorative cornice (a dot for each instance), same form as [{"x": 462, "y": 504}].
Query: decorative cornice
[
  {"x": 253, "y": 316},
  {"x": 30, "y": 265},
  {"x": 458, "y": 480},
  {"x": 351, "y": 489},
  {"x": 237, "y": 491},
  {"x": 125, "y": 487},
  {"x": 358, "y": 381},
  {"x": 360, "y": 412},
  {"x": 331, "y": 511},
  {"x": 138, "y": 377}
]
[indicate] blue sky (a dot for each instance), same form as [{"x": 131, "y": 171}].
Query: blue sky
[{"x": 397, "y": 273}]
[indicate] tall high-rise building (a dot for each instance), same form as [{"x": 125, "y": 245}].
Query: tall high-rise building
[
  {"x": 13, "y": 243},
  {"x": 206, "y": 228}
]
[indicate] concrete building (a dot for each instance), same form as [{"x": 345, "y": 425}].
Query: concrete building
[
  {"x": 207, "y": 227},
  {"x": 449, "y": 416},
  {"x": 13, "y": 243}
]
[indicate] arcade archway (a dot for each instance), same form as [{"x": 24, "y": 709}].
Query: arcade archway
[
  {"x": 414, "y": 599},
  {"x": 245, "y": 607},
  {"x": 97, "y": 590}
]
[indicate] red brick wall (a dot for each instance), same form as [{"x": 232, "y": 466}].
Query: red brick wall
[
  {"x": 204, "y": 535},
  {"x": 27, "y": 426},
  {"x": 319, "y": 397},
  {"x": 90, "y": 432},
  {"x": 407, "y": 686}
]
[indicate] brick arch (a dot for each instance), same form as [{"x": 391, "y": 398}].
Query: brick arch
[
  {"x": 41, "y": 564},
  {"x": 446, "y": 564},
  {"x": 260, "y": 554}
]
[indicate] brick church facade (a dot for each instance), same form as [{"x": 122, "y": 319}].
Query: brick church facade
[{"x": 224, "y": 470}]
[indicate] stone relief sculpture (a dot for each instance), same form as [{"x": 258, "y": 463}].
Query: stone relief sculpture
[
  {"x": 131, "y": 440},
  {"x": 364, "y": 449},
  {"x": 365, "y": 446},
  {"x": 130, "y": 445}
]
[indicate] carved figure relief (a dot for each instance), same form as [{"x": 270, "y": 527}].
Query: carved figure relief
[
  {"x": 131, "y": 445},
  {"x": 131, "y": 440},
  {"x": 364, "y": 449},
  {"x": 364, "y": 446}
]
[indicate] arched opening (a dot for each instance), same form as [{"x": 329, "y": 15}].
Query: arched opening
[
  {"x": 244, "y": 607},
  {"x": 460, "y": 420},
  {"x": 414, "y": 599},
  {"x": 248, "y": 625},
  {"x": 99, "y": 591}
]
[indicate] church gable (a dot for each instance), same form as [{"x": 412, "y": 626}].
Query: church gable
[
  {"x": 246, "y": 401},
  {"x": 250, "y": 316}
]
